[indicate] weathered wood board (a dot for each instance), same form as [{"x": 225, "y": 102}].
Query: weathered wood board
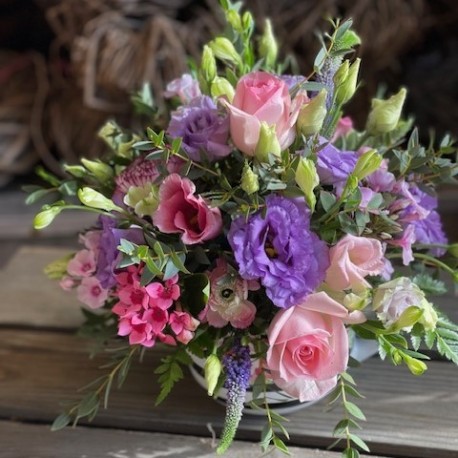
[
  {"x": 82, "y": 442},
  {"x": 407, "y": 416}
]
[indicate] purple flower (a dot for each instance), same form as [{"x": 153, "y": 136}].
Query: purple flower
[
  {"x": 334, "y": 166},
  {"x": 381, "y": 180},
  {"x": 280, "y": 250},
  {"x": 237, "y": 366},
  {"x": 108, "y": 259},
  {"x": 430, "y": 231},
  {"x": 292, "y": 80},
  {"x": 202, "y": 129}
]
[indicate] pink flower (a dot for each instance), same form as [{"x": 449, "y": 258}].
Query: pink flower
[
  {"x": 91, "y": 293},
  {"x": 308, "y": 347},
  {"x": 82, "y": 264},
  {"x": 162, "y": 296},
  {"x": 181, "y": 211},
  {"x": 228, "y": 301},
  {"x": 406, "y": 241},
  {"x": 185, "y": 87},
  {"x": 183, "y": 325},
  {"x": 91, "y": 240},
  {"x": 67, "y": 283},
  {"x": 259, "y": 97},
  {"x": 352, "y": 259},
  {"x": 344, "y": 126}
]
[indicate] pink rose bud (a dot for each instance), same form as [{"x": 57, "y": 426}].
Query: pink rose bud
[
  {"x": 352, "y": 259},
  {"x": 262, "y": 97}
]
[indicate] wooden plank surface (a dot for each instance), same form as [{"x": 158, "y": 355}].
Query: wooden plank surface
[
  {"x": 407, "y": 416},
  {"x": 117, "y": 443}
]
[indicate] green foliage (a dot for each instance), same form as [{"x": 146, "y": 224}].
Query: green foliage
[
  {"x": 344, "y": 430},
  {"x": 98, "y": 391},
  {"x": 445, "y": 336},
  {"x": 170, "y": 372}
]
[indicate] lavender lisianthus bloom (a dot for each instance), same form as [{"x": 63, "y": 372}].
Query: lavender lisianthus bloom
[
  {"x": 280, "y": 250},
  {"x": 202, "y": 128},
  {"x": 334, "y": 166},
  {"x": 429, "y": 231},
  {"x": 108, "y": 259}
]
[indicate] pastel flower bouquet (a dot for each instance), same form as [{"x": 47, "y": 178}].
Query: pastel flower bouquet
[{"x": 252, "y": 227}]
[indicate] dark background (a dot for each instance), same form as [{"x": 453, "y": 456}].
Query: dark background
[{"x": 405, "y": 43}]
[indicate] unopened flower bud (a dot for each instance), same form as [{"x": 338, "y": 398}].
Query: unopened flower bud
[
  {"x": 385, "y": 114},
  {"x": 250, "y": 181},
  {"x": 208, "y": 64},
  {"x": 268, "y": 46},
  {"x": 307, "y": 179},
  {"x": 247, "y": 21},
  {"x": 223, "y": 49},
  {"x": 103, "y": 172},
  {"x": 367, "y": 163},
  {"x": 341, "y": 74},
  {"x": 347, "y": 87},
  {"x": 213, "y": 368},
  {"x": 220, "y": 87},
  {"x": 312, "y": 114},
  {"x": 234, "y": 19},
  {"x": 108, "y": 132},
  {"x": 267, "y": 143}
]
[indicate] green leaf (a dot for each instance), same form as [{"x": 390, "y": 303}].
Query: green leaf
[
  {"x": 61, "y": 422},
  {"x": 359, "y": 442},
  {"x": 280, "y": 445},
  {"x": 354, "y": 410},
  {"x": 350, "y": 453},
  {"x": 170, "y": 270},
  {"x": 88, "y": 404},
  {"x": 327, "y": 200},
  {"x": 178, "y": 260},
  {"x": 348, "y": 378}
]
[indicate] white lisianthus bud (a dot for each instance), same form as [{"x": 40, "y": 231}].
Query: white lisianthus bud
[
  {"x": 103, "y": 172},
  {"x": 208, "y": 64},
  {"x": 307, "y": 179},
  {"x": 250, "y": 181},
  {"x": 220, "y": 87},
  {"x": 91, "y": 198},
  {"x": 268, "y": 46},
  {"x": 267, "y": 143},
  {"x": 223, "y": 49},
  {"x": 212, "y": 368},
  {"x": 385, "y": 114},
  {"x": 346, "y": 82},
  {"x": 367, "y": 163},
  {"x": 312, "y": 114}
]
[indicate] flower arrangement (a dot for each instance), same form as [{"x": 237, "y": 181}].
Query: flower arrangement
[{"x": 254, "y": 227}]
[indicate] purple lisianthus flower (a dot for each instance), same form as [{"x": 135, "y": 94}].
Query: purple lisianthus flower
[
  {"x": 109, "y": 256},
  {"x": 334, "y": 166},
  {"x": 429, "y": 231},
  {"x": 381, "y": 180},
  {"x": 280, "y": 250},
  {"x": 202, "y": 128}
]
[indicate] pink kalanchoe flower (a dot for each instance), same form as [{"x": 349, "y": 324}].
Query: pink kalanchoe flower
[
  {"x": 91, "y": 293},
  {"x": 228, "y": 301},
  {"x": 181, "y": 211},
  {"x": 262, "y": 97},
  {"x": 82, "y": 264},
  {"x": 344, "y": 126},
  {"x": 185, "y": 87},
  {"x": 163, "y": 295},
  {"x": 67, "y": 283},
  {"x": 183, "y": 325},
  {"x": 91, "y": 240}
]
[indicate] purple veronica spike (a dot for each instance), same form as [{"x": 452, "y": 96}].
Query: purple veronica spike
[{"x": 237, "y": 366}]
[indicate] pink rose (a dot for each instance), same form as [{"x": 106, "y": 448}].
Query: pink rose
[
  {"x": 181, "y": 211},
  {"x": 352, "y": 259},
  {"x": 308, "y": 347},
  {"x": 260, "y": 96}
]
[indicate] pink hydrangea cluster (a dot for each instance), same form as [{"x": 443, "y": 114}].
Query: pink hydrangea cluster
[
  {"x": 81, "y": 273},
  {"x": 145, "y": 313}
]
